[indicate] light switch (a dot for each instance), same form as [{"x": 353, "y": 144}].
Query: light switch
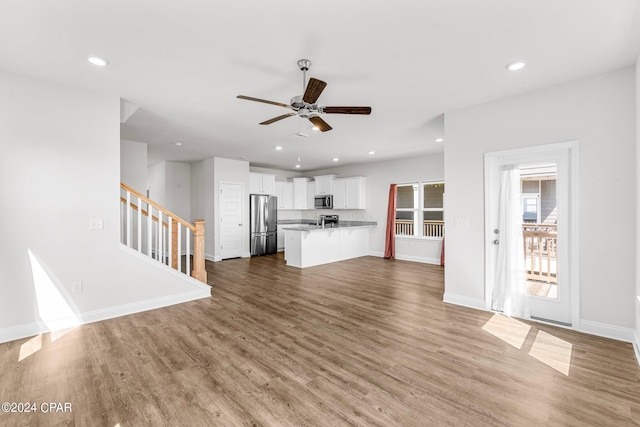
[{"x": 96, "y": 224}]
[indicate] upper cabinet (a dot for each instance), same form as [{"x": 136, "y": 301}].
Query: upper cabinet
[
  {"x": 350, "y": 193},
  {"x": 324, "y": 185},
  {"x": 262, "y": 183},
  {"x": 284, "y": 193},
  {"x": 301, "y": 187}
]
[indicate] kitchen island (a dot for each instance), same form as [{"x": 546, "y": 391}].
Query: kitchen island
[{"x": 307, "y": 244}]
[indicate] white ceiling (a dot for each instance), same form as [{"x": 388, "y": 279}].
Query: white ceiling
[{"x": 184, "y": 62}]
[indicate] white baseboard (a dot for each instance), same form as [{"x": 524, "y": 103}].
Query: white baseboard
[
  {"x": 423, "y": 260},
  {"x": 31, "y": 329},
  {"x": 247, "y": 255},
  {"x": 636, "y": 346},
  {"x": 209, "y": 257},
  {"x": 607, "y": 331},
  {"x": 464, "y": 301}
]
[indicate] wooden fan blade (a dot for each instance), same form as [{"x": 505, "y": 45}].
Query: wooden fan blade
[
  {"x": 275, "y": 119},
  {"x": 347, "y": 110},
  {"x": 249, "y": 98},
  {"x": 320, "y": 124},
  {"x": 313, "y": 91}
]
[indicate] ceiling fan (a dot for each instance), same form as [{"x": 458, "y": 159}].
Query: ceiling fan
[{"x": 305, "y": 105}]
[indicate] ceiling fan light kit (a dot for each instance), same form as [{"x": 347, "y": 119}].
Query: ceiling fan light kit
[{"x": 305, "y": 105}]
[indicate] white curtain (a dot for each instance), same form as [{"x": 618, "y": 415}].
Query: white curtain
[{"x": 510, "y": 288}]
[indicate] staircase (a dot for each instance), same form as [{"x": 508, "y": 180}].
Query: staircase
[{"x": 154, "y": 231}]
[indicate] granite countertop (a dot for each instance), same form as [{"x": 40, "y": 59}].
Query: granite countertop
[{"x": 309, "y": 224}]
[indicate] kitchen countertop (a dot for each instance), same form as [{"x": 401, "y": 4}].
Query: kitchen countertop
[{"x": 310, "y": 225}]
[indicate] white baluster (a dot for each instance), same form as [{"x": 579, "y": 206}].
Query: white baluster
[
  {"x": 128, "y": 219},
  {"x": 188, "y": 271},
  {"x": 159, "y": 238},
  {"x": 139, "y": 225},
  {"x": 179, "y": 252},
  {"x": 170, "y": 240},
  {"x": 150, "y": 230}
]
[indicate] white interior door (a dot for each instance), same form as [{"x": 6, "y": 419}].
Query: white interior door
[
  {"x": 231, "y": 220},
  {"x": 551, "y": 252}
]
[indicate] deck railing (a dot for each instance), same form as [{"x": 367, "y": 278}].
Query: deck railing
[
  {"x": 541, "y": 251},
  {"x": 160, "y": 234},
  {"x": 404, "y": 227}
]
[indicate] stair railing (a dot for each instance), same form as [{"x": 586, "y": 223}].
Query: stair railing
[{"x": 161, "y": 234}]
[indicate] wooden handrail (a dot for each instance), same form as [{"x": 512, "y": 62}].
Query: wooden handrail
[
  {"x": 145, "y": 213},
  {"x": 157, "y": 206}
]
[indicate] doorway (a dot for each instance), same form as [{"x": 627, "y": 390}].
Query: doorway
[
  {"x": 548, "y": 224},
  {"x": 231, "y": 220}
]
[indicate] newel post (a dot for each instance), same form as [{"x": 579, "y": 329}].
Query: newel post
[{"x": 199, "y": 271}]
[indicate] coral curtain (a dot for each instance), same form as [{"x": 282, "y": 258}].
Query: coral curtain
[{"x": 390, "y": 241}]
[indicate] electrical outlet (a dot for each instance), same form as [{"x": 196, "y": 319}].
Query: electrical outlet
[
  {"x": 96, "y": 224},
  {"x": 76, "y": 287},
  {"x": 461, "y": 222}
]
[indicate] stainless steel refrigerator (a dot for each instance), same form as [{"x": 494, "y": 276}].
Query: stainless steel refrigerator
[{"x": 264, "y": 220}]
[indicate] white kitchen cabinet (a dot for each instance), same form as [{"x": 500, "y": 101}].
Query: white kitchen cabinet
[
  {"x": 324, "y": 185},
  {"x": 262, "y": 183},
  {"x": 284, "y": 193},
  {"x": 311, "y": 195},
  {"x": 350, "y": 193},
  {"x": 301, "y": 193},
  {"x": 306, "y": 247},
  {"x": 280, "y": 239}
]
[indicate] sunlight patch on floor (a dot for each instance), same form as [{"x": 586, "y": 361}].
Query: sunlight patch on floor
[
  {"x": 552, "y": 351},
  {"x": 57, "y": 334},
  {"x": 508, "y": 329},
  {"x": 30, "y": 347},
  {"x": 53, "y": 308}
]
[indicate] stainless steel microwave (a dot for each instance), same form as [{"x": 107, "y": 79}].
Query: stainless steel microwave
[{"x": 324, "y": 202}]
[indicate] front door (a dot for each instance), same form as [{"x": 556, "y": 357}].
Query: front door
[
  {"x": 547, "y": 209},
  {"x": 231, "y": 220}
]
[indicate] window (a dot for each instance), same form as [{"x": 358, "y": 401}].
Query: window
[{"x": 420, "y": 209}]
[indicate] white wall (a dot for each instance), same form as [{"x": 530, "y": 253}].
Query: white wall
[
  {"x": 281, "y": 175},
  {"x": 236, "y": 171},
  {"x": 133, "y": 165},
  {"x": 202, "y": 193},
  {"x": 637, "y": 295},
  {"x": 380, "y": 176},
  {"x": 156, "y": 182},
  {"x": 59, "y": 168},
  {"x": 599, "y": 113},
  {"x": 178, "y": 189}
]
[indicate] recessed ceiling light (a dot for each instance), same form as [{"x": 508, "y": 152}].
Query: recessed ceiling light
[
  {"x": 278, "y": 148},
  {"x": 297, "y": 166},
  {"x": 372, "y": 152},
  {"x": 316, "y": 128},
  {"x": 300, "y": 135},
  {"x": 242, "y": 158},
  {"x": 178, "y": 143},
  {"x": 98, "y": 60},
  {"x": 439, "y": 139},
  {"x": 335, "y": 159},
  {"x": 515, "y": 65}
]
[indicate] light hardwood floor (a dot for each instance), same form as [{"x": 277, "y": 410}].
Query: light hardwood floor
[{"x": 360, "y": 342}]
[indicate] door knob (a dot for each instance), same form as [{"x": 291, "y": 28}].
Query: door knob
[
  {"x": 495, "y": 242},
  {"x": 496, "y": 231}
]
